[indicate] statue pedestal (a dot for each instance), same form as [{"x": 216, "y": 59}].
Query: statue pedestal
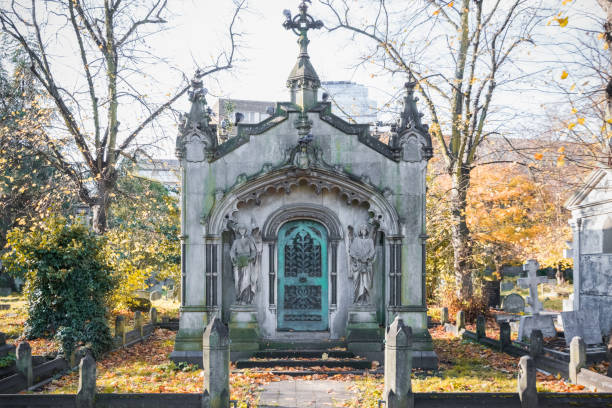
[
  {"x": 363, "y": 333},
  {"x": 244, "y": 331}
]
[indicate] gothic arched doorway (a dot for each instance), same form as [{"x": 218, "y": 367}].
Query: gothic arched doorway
[{"x": 302, "y": 277}]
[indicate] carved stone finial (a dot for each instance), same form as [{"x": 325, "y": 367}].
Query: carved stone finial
[
  {"x": 411, "y": 136},
  {"x": 194, "y": 127},
  {"x": 303, "y": 80}
]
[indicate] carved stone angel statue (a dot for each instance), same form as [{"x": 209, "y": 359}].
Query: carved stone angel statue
[
  {"x": 244, "y": 256},
  {"x": 362, "y": 254}
]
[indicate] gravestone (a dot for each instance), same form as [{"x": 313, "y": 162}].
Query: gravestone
[
  {"x": 568, "y": 304},
  {"x": 155, "y": 295},
  {"x": 542, "y": 322},
  {"x": 582, "y": 324},
  {"x": 5, "y": 291},
  {"x": 5, "y": 306},
  {"x": 513, "y": 303},
  {"x": 506, "y": 285},
  {"x": 532, "y": 281},
  {"x": 492, "y": 293}
]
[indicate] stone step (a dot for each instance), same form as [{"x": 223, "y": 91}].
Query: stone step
[
  {"x": 354, "y": 364},
  {"x": 302, "y": 373},
  {"x": 276, "y": 354},
  {"x": 303, "y": 345}
]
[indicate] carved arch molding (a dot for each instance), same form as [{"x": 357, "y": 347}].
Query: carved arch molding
[
  {"x": 302, "y": 211},
  {"x": 354, "y": 192}
]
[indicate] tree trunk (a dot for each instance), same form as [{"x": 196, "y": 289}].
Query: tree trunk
[
  {"x": 606, "y": 5},
  {"x": 100, "y": 207},
  {"x": 460, "y": 234}
]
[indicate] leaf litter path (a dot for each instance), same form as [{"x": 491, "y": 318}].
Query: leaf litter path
[
  {"x": 464, "y": 367},
  {"x": 300, "y": 393}
]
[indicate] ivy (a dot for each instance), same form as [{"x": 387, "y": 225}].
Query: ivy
[{"x": 68, "y": 283}]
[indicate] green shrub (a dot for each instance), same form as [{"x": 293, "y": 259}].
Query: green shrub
[{"x": 68, "y": 283}]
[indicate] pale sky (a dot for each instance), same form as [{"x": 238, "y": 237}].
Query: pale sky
[{"x": 197, "y": 31}]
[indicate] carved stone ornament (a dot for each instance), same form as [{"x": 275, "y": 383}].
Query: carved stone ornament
[
  {"x": 245, "y": 255},
  {"x": 361, "y": 254},
  {"x": 196, "y": 140}
]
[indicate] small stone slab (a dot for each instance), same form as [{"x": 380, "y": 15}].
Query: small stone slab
[
  {"x": 299, "y": 393},
  {"x": 513, "y": 303},
  {"x": 5, "y": 306},
  {"x": 583, "y": 324},
  {"x": 543, "y": 322},
  {"x": 155, "y": 295},
  {"x": 504, "y": 286},
  {"x": 4, "y": 291}
]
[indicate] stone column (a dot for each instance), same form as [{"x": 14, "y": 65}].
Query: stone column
[
  {"x": 153, "y": 316},
  {"x": 86, "y": 392},
  {"x": 215, "y": 353},
  {"x": 577, "y": 358},
  {"x": 481, "y": 327},
  {"x": 120, "y": 331},
  {"x": 24, "y": 362},
  {"x": 504, "y": 335},
  {"x": 536, "y": 343},
  {"x": 444, "y": 316},
  {"x": 398, "y": 366},
  {"x": 528, "y": 393},
  {"x": 138, "y": 322}
]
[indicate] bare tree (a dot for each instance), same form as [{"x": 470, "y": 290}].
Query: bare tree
[
  {"x": 477, "y": 39},
  {"x": 109, "y": 38},
  {"x": 606, "y": 5}
]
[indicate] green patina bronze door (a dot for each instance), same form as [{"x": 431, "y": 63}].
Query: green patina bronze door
[{"x": 302, "y": 276}]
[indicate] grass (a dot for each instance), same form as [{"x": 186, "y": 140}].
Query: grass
[{"x": 13, "y": 319}]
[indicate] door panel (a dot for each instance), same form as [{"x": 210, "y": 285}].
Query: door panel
[{"x": 302, "y": 276}]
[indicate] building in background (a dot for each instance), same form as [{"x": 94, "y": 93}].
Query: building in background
[
  {"x": 252, "y": 111},
  {"x": 166, "y": 171},
  {"x": 351, "y": 101}
]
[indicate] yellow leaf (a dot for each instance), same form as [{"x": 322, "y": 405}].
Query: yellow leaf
[
  {"x": 600, "y": 36},
  {"x": 581, "y": 121},
  {"x": 572, "y": 87},
  {"x": 609, "y": 120},
  {"x": 564, "y": 74},
  {"x": 561, "y": 161},
  {"x": 571, "y": 126},
  {"x": 606, "y": 46},
  {"x": 574, "y": 110},
  {"x": 451, "y": 4},
  {"x": 561, "y": 149},
  {"x": 538, "y": 156},
  {"x": 562, "y": 21},
  {"x": 435, "y": 13}
]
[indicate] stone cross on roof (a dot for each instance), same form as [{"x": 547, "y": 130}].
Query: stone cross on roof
[
  {"x": 303, "y": 80},
  {"x": 532, "y": 281}
]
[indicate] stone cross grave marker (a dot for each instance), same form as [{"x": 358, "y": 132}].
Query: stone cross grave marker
[
  {"x": 582, "y": 324},
  {"x": 532, "y": 281}
]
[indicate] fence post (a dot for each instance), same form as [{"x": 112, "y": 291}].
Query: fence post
[
  {"x": 153, "y": 316},
  {"x": 444, "y": 316},
  {"x": 24, "y": 362},
  {"x": 138, "y": 322},
  {"x": 504, "y": 335},
  {"x": 577, "y": 358},
  {"x": 86, "y": 392},
  {"x": 216, "y": 354},
  {"x": 460, "y": 324},
  {"x": 120, "y": 331},
  {"x": 536, "y": 343},
  {"x": 481, "y": 327},
  {"x": 398, "y": 365},
  {"x": 528, "y": 393}
]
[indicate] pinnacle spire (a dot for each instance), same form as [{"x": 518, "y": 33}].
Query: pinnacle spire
[{"x": 303, "y": 81}]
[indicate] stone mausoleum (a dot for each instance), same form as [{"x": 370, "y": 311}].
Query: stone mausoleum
[
  {"x": 591, "y": 222},
  {"x": 302, "y": 230}
]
